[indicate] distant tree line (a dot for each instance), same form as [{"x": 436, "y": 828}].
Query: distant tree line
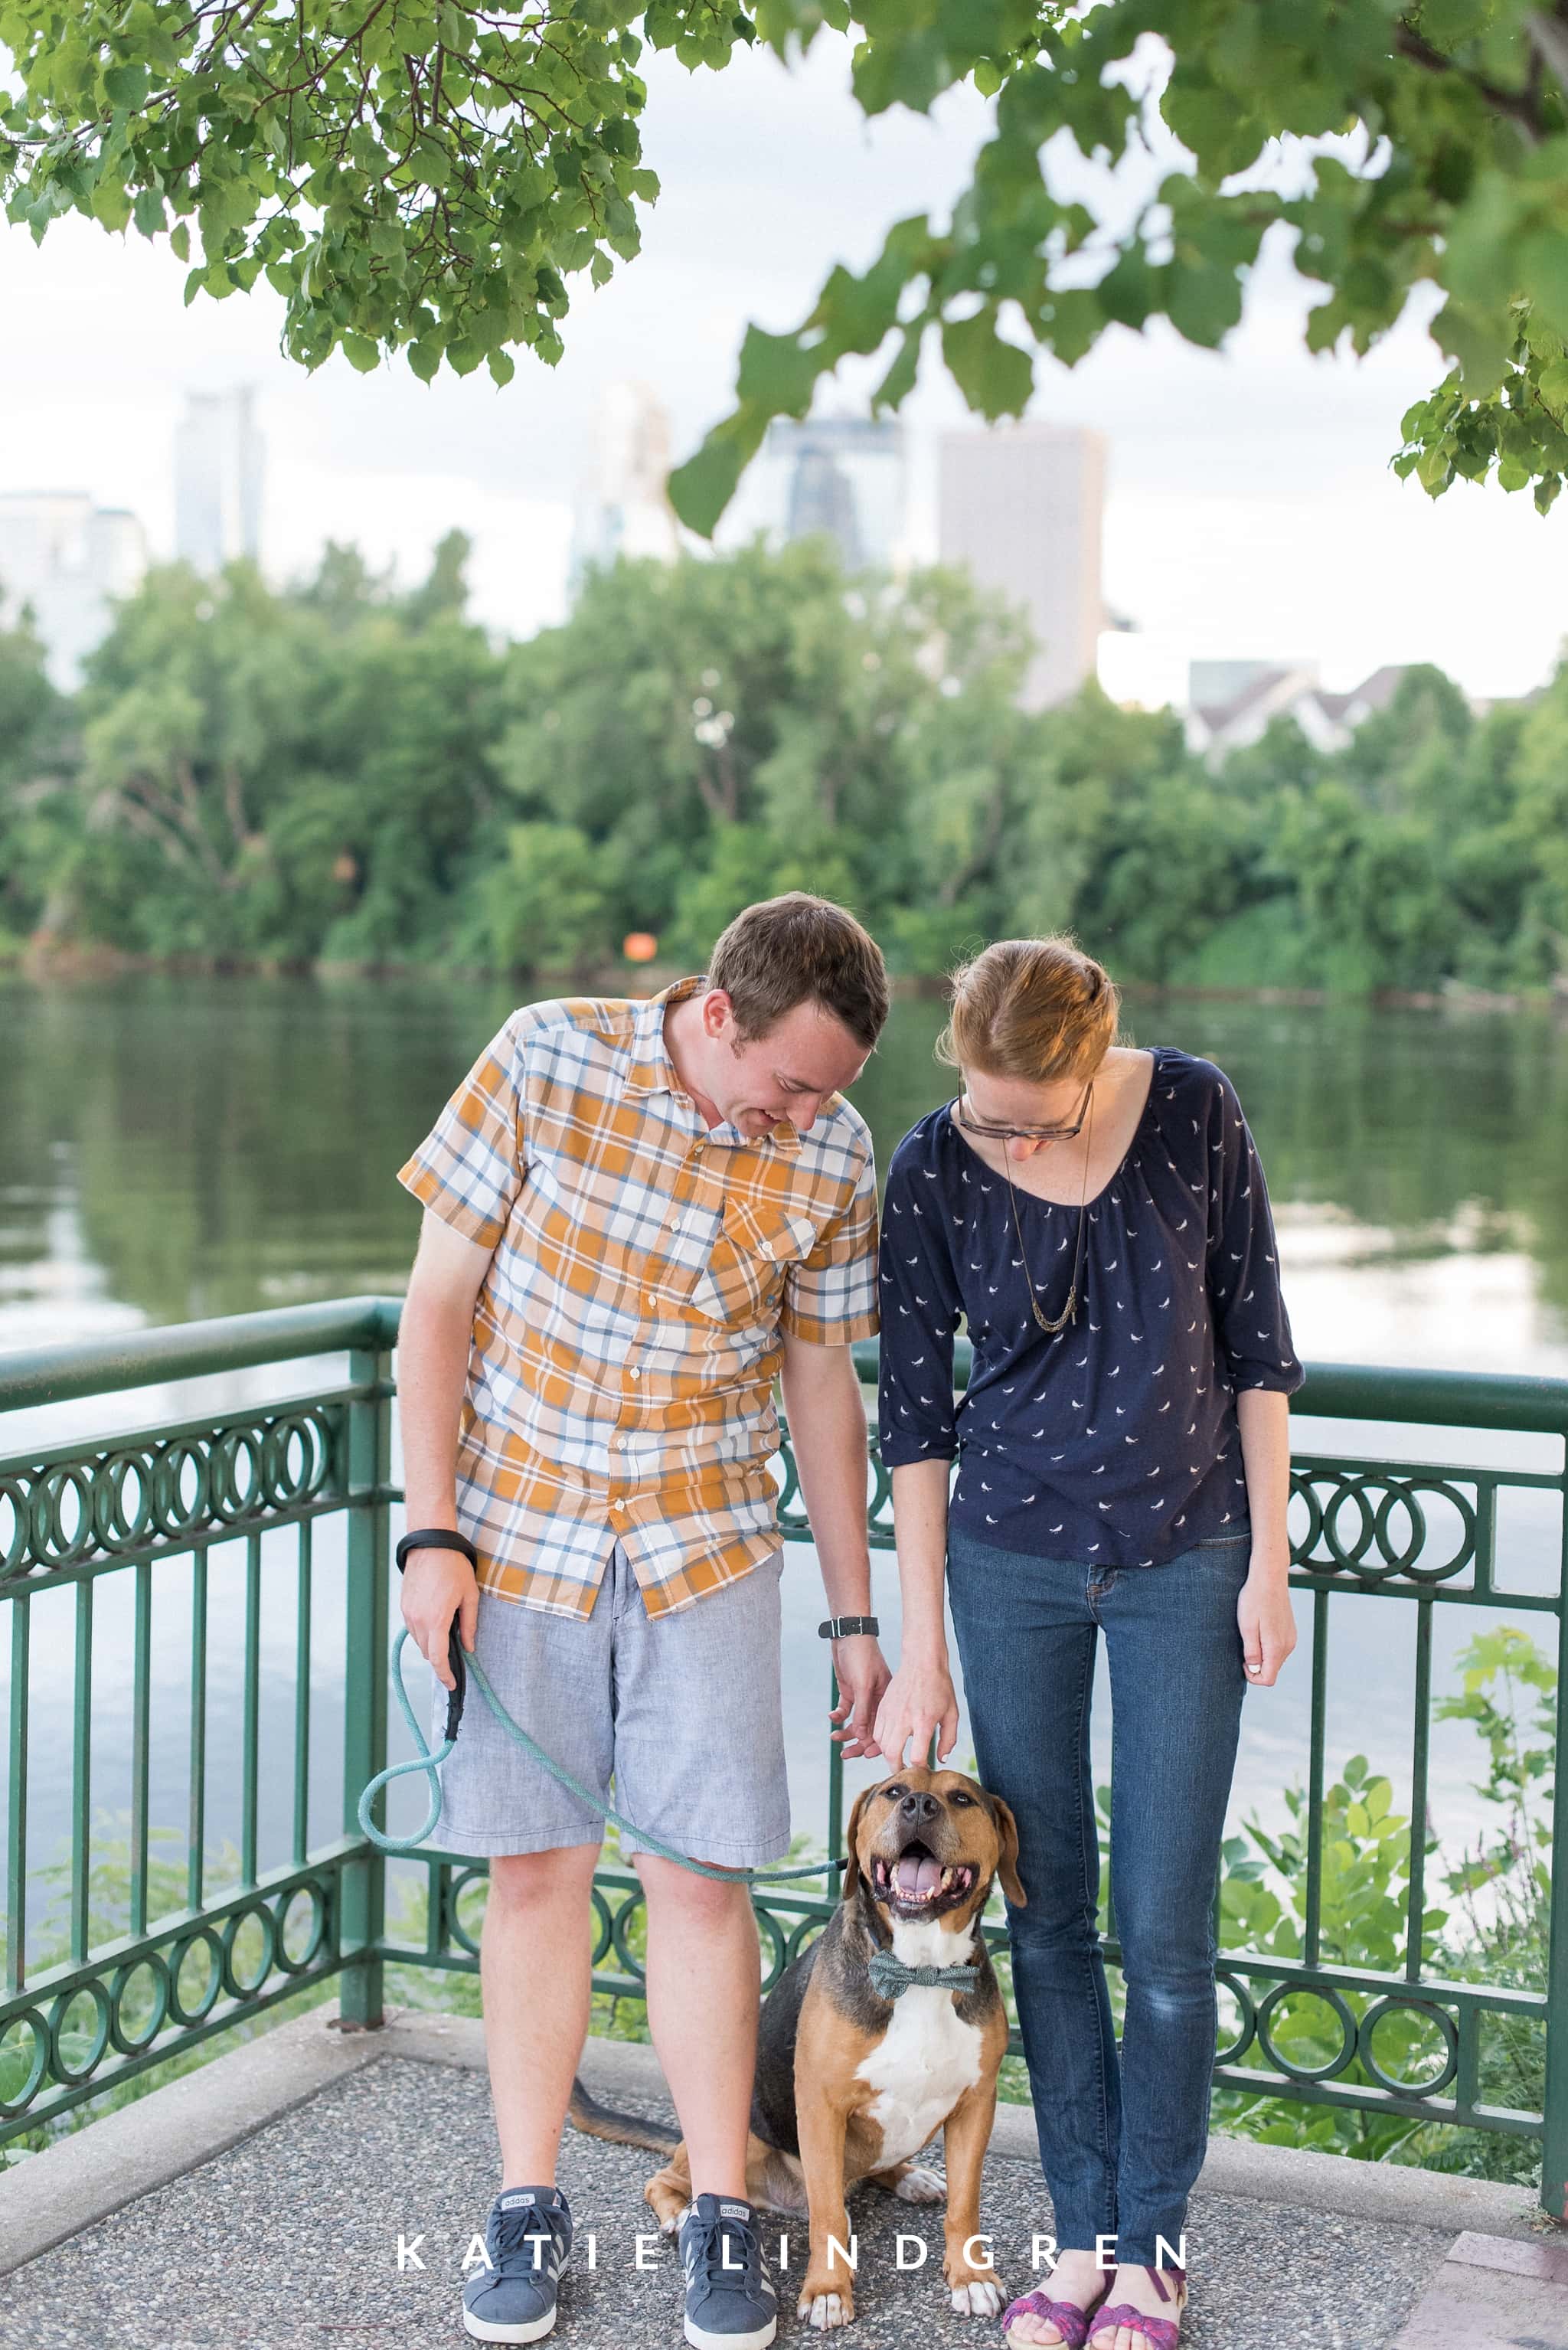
[{"x": 350, "y": 772}]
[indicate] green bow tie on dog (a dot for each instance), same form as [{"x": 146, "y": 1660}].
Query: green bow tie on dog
[{"x": 890, "y": 1977}]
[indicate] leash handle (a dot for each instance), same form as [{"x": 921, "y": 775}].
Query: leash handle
[
  {"x": 424, "y": 1760},
  {"x": 456, "y": 1695}
]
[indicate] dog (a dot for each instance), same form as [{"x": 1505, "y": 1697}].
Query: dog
[{"x": 853, "y": 2081}]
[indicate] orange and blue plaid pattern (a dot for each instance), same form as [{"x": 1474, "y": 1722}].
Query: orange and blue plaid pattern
[{"x": 631, "y": 1321}]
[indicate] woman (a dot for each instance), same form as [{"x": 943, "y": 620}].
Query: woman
[{"x": 1097, "y": 1217}]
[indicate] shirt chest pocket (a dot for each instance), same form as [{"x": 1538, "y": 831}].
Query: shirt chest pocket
[{"x": 757, "y": 1243}]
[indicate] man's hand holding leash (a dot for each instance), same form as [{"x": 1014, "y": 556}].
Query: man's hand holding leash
[{"x": 437, "y": 1585}]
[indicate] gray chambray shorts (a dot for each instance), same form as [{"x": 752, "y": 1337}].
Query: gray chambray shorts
[{"x": 685, "y": 1709}]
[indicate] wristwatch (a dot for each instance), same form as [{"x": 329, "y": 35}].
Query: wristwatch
[{"x": 843, "y": 1627}]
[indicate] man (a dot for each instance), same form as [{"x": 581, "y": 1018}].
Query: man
[{"x": 636, "y": 1214}]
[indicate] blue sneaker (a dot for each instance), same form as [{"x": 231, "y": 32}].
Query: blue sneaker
[
  {"x": 528, "y": 2239},
  {"x": 731, "y": 2303}
]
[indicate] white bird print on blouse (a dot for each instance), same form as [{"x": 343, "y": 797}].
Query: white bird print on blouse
[{"x": 1057, "y": 1529}]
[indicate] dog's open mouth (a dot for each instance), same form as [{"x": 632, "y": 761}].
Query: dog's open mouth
[{"x": 917, "y": 1883}]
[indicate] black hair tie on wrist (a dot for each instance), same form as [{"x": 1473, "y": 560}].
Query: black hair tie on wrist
[{"x": 434, "y": 1538}]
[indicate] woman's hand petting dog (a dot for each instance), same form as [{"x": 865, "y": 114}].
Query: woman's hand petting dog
[{"x": 920, "y": 1699}]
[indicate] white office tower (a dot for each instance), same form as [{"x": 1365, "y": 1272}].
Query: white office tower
[
  {"x": 843, "y": 476},
  {"x": 67, "y": 559},
  {"x": 624, "y": 507},
  {"x": 219, "y": 466},
  {"x": 1022, "y": 506}
]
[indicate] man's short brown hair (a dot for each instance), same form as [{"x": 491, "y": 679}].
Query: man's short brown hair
[{"x": 794, "y": 950}]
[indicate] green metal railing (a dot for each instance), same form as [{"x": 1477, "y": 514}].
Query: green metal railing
[{"x": 293, "y": 1497}]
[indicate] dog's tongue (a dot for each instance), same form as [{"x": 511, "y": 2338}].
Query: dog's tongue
[{"x": 917, "y": 1873}]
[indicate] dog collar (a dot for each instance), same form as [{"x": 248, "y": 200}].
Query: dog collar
[{"x": 890, "y": 1977}]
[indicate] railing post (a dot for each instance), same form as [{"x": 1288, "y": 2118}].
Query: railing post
[
  {"x": 364, "y": 1879},
  {"x": 1554, "y": 2105}
]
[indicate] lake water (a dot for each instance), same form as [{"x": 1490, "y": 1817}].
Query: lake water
[{"x": 178, "y": 1147}]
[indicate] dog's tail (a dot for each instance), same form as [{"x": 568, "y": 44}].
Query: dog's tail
[{"x": 585, "y": 2114}]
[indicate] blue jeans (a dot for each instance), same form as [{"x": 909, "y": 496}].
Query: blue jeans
[{"x": 1120, "y": 2142}]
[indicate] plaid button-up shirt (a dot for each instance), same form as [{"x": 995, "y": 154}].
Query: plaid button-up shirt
[{"x": 630, "y": 1324}]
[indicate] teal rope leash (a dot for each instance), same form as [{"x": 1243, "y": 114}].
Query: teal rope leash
[{"x": 462, "y": 1664}]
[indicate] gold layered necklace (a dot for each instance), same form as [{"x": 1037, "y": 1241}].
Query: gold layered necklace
[{"x": 1053, "y": 1325}]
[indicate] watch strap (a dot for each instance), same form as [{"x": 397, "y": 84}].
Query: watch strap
[{"x": 845, "y": 1628}]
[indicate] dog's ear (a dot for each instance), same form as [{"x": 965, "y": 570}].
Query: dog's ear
[
  {"x": 1007, "y": 1863},
  {"x": 852, "y": 1845}
]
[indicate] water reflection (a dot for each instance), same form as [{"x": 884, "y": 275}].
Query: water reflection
[{"x": 175, "y": 1147}]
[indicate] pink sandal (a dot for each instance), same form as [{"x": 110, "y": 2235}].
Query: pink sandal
[
  {"x": 1159, "y": 2333},
  {"x": 1071, "y": 2322}
]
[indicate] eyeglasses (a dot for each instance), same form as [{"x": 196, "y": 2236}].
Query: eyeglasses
[{"x": 1021, "y": 1133}]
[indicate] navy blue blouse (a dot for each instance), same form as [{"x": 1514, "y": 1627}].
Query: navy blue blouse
[{"x": 1117, "y": 1440}]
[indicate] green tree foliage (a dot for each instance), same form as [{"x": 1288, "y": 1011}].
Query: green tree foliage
[
  {"x": 348, "y": 772},
  {"x": 425, "y": 176},
  {"x": 32, "y": 725}
]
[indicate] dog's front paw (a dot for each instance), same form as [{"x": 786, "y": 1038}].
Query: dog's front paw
[
  {"x": 981, "y": 2297},
  {"x": 919, "y": 2185},
  {"x": 826, "y": 2306}
]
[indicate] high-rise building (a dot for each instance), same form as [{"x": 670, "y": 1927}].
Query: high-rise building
[
  {"x": 219, "y": 467},
  {"x": 844, "y": 476},
  {"x": 1022, "y": 506},
  {"x": 623, "y": 507},
  {"x": 67, "y": 558}
]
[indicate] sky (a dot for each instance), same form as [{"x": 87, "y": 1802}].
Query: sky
[{"x": 1250, "y": 510}]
